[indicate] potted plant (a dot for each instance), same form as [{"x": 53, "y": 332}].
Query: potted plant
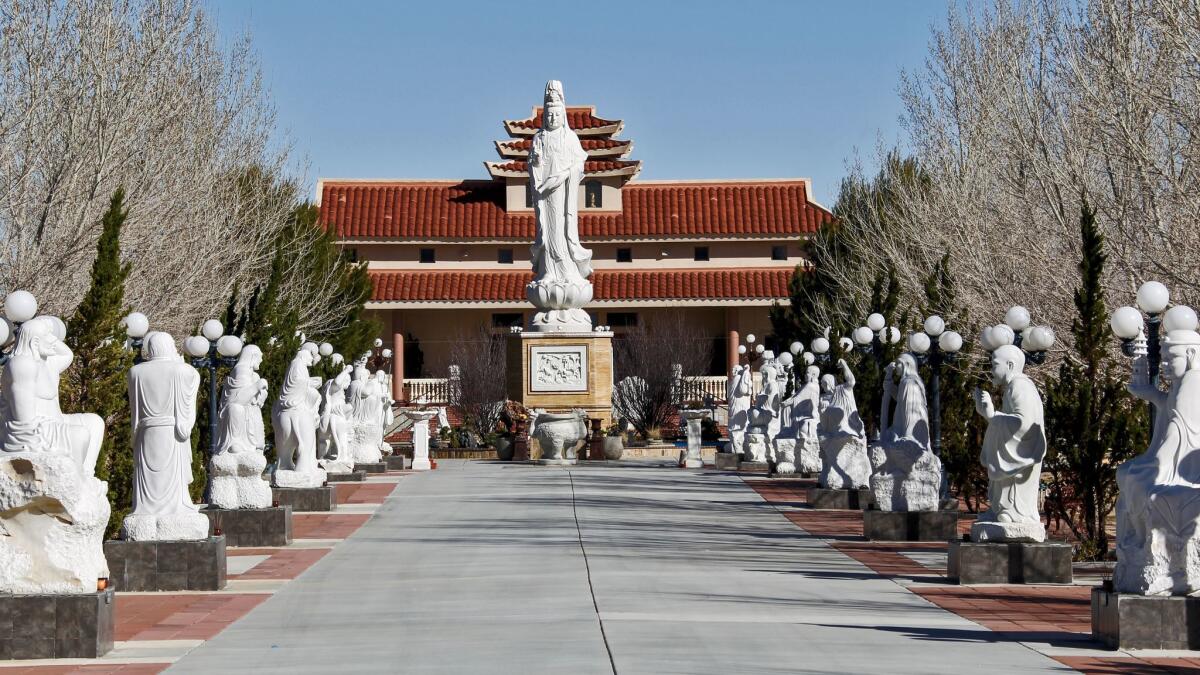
[{"x": 614, "y": 443}]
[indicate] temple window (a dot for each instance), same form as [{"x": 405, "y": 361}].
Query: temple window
[
  {"x": 625, "y": 255},
  {"x": 427, "y": 256},
  {"x": 504, "y": 256},
  {"x": 700, "y": 253},
  {"x": 779, "y": 253},
  {"x": 593, "y": 195},
  {"x": 622, "y": 319}
]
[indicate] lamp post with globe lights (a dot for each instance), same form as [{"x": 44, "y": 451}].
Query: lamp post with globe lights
[
  {"x": 136, "y": 327},
  {"x": 1138, "y": 328},
  {"x": 935, "y": 346},
  {"x": 211, "y": 350},
  {"x": 19, "y": 307},
  {"x": 1019, "y": 331}
]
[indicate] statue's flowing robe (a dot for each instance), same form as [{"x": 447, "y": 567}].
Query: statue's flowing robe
[
  {"x": 556, "y": 252},
  {"x": 1014, "y": 446},
  {"x": 840, "y": 417},
  {"x": 162, "y": 402},
  {"x": 296, "y": 419},
  {"x": 910, "y": 417},
  {"x": 1177, "y": 454}
]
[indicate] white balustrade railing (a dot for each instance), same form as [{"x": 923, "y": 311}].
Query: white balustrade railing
[{"x": 427, "y": 390}]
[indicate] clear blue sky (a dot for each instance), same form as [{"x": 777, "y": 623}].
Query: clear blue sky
[{"x": 706, "y": 89}]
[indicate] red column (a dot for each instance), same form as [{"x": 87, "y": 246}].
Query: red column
[
  {"x": 398, "y": 367},
  {"x": 732, "y": 357}
]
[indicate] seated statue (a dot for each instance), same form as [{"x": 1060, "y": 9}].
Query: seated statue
[
  {"x": 55, "y": 510},
  {"x": 333, "y": 433},
  {"x": 908, "y": 476},
  {"x": 162, "y": 405},
  {"x": 1158, "y": 510},
  {"x": 295, "y": 419},
  {"x": 1014, "y": 446},
  {"x": 844, "y": 463},
  {"x": 738, "y": 391},
  {"x": 239, "y": 461}
]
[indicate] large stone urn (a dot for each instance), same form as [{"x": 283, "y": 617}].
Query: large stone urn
[
  {"x": 420, "y": 420},
  {"x": 559, "y": 436}
]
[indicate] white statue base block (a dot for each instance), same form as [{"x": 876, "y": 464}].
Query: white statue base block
[
  {"x": 336, "y": 466},
  {"x": 809, "y": 448},
  {"x": 850, "y": 468},
  {"x": 364, "y": 447},
  {"x": 991, "y": 531},
  {"x": 1167, "y": 560},
  {"x": 54, "y": 522},
  {"x": 286, "y": 478},
  {"x": 237, "y": 481},
  {"x": 182, "y": 526},
  {"x": 907, "y": 478},
  {"x": 785, "y": 456},
  {"x": 756, "y": 447}
]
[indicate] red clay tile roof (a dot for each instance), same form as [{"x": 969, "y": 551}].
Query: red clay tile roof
[
  {"x": 509, "y": 286},
  {"x": 587, "y": 143},
  {"x": 590, "y": 166},
  {"x": 475, "y": 210},
  {"x": 577, "y": 118}
]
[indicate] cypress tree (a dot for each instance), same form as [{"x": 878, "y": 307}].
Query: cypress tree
[
  {"x": 96, "y": 380},
  {"x": 1092, "y": 423}
]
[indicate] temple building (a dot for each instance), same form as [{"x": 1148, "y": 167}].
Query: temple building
[{"x": 447, "y": 257}]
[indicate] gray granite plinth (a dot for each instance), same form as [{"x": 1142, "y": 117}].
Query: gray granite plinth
[
  {"x": 371, "y": 467},
  {"x": 252, "y": 527},
  {"x": 554, "y": 462},
  {"x": 753, "y": 467},
  {"x": 397, "y": 462},
  {"x": 1047, "y": 562},
  {"x": 841, "y": 499},
  {"x": 69, "y": 626},
  {"x": 910, "y": 525},
  {"x": 352, "y": 477},
  {"x": 166, "y": 565},
  {"x": 322, "y": 498},
  {"x": 727, "y": 461},
  {"x": 1128, "y": 621}
]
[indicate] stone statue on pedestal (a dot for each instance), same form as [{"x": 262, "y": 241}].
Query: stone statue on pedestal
[
  {"x": 366, "y": 398},
  {"x": 908, "y": 476},
  {"x": 334, "y": 434},
  {"x": 295, "y": 420},
  {"x": 738, "y": 391},
  {"x": 1014, "y": 446},
  {"x": 843, "y": 438},
  {"x": 1158, "y": 510},
  {"x": 764, "y": 416},
  {"x": 162, "y": 405},
  {"x": 561, "y": 265},
  {"x": 239, "y": 462},
  {"x": 806, "y": 418},
  {"x": 53, "y": 510}
]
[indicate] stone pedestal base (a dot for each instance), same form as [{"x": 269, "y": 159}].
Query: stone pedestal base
[
  {"x": 421, "y": 464},
  {"x": 554, "y": 462},
  {"x": 1046, "y": 562},
  {"x": 397, "y": 462},
  {"x": 68, "y": 626},
  {"x": 371, "y": 467},
  {"x": 910, "y": 525},
  {"x": 271, "y": 526},
  {"x": 166, "y": 565},
  {"x": 307, "y": 499},
  {"x": 352, "y": 477},
  {"x": 582, "y": 368},
  {"x": 753, "y": 467},
  {"x": 727, "y": 461},
  {"x": 844, "y": 500},
  {"x": 1127, "y": 621}
]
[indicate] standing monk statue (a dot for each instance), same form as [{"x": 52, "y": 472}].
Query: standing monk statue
[
  {"x": 561, "y": 265},
  {"x": 1014, "y": 446}
]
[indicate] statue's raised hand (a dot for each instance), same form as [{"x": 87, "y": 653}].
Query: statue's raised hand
[{"x": 983, "y": 404}]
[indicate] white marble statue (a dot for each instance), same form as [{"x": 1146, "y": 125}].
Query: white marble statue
[
  {"x": 239, "y": 462},
  {"x": 53, "y": 510},
  {"x": 738, "y": 391},
  {"x": 334, "y": 433},
  {"x": 844, "y": 463},
  {"x": 365, "y": 395},
  {"x": 806, "y": 421},
  {"x": 561, "y": 265},
  {"x": 295, "y": 419},
  {"x": 1014, "y": 446},
  {"x": 1158, "y": 510},
  {"x": 162, "y": 406},
  {"x": 908, "y": 476},
  {"x": 386, "y": 413},
  {"x": 764, "y": 416}
]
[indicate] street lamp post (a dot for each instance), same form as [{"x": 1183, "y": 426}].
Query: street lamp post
[
  {"x": 209, "y": 350},
  {"x": 935, "y": 346},
  {"x": 1139, "y": 333},
  {"x": 136, "y": 327},
  {"x": 872, "y": 339},
  {"x": 19, "y": 307}
]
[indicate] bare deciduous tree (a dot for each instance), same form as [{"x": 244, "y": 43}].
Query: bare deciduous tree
[
  {"x": 136, "y": 94},
  {"x": 655, "y": 361},
  {"x": 480, "y": 392}
]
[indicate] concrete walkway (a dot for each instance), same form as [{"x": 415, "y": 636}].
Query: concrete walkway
[{"x": 482, "y": 567}]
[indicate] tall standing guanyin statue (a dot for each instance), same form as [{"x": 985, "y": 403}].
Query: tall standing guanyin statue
[{"x": 561, "y": 265}]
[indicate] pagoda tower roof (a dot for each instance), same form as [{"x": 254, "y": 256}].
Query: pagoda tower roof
[{"x": 607, "y": 156}]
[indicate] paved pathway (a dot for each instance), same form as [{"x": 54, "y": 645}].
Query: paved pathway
[{"x": 503, "y": 568}]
